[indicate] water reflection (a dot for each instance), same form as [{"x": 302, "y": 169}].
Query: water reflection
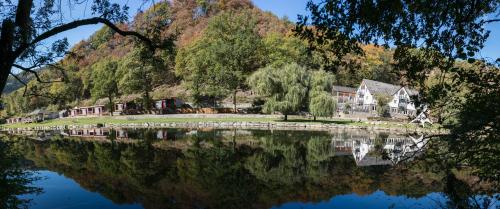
[
  {"x": 211, "y": 168},
  {"x": 14, "y": 181}
]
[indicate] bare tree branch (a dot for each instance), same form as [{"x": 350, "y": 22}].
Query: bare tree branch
[{"x": 492, "y": 20}]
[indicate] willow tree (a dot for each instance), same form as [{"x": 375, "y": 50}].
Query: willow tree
[
  {"x": 28, "y": 27},
  {"x": 285, "y": 87},
  {"x": 321, "y": 102}
]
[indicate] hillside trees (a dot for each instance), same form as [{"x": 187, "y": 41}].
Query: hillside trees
[
  {"x": 280, "y": 49},
  {"x": 216, "y": 64},
  {"x": 105, "y": 82}
]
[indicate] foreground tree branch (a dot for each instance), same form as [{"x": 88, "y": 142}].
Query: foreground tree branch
[
  {"x": 29, "y": 70},
  {"x": 78, "y": 23}
]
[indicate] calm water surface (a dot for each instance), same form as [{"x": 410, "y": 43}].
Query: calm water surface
[{"x": 209, "y": 168}]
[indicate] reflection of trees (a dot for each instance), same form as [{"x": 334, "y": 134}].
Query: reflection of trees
[
  {"x": 462, "y": 195},
  {"x": 14, "y": 181},
  {"x": 279, "y": 167}
]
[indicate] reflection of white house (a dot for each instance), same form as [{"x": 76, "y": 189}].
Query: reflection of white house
[
  {"x": 400, "y": 102},
  {"x": 360, "y": 150},
  {"x": 395, "y": 149}
]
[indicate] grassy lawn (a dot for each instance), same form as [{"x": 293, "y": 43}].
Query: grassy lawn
[{"x": 124, "y": 120}]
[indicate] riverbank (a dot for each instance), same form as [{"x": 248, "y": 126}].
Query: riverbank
[{"x": 220, "y": 121}]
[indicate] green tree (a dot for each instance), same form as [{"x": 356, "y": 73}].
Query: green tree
[
  {"x": 280, "y": 49},
  {"x": 382, "y": 105},
  {"x": 71, "y": 89},
  {"x": 139, "y": 71},
  {"x": 285, "y": 87},
  {"x": 105, "y": 82},
  {"x": 218, "y": 63},
  {"x": 321, "y": 102}
]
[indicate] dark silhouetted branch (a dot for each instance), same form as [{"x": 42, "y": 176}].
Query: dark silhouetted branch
[{"x": 78, "y": 23}]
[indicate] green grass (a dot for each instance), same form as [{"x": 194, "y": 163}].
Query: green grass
[
  {"x": 123, "y": 120},
  {"x": 113, "y": 120}
]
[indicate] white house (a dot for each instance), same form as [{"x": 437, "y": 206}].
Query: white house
[{"x": 400, "y": 103}]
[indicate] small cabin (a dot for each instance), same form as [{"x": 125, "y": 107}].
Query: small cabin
[
  {"x": 63, "y": 113},
  {"x": 96, "y": 110},
  {"x": 37, "y": 115},
  {"x": 168, "y": 105},
  {"x": 127, "y": 108}
]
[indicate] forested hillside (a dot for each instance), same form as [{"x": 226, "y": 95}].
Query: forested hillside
[
  {"x": 218, "y": 45},
  {"x": 13, "y": 84}
]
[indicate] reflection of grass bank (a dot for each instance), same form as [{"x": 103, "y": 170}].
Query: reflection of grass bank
[{"x": 121, "y": 120}]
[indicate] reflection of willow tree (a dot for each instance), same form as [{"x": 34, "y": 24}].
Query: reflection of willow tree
[
  {"x": 219, "y": 175},
  {"x": 291, "y": 161},
  {"x": 14, "y": 181},
  {"x": 319, "y": 152}
]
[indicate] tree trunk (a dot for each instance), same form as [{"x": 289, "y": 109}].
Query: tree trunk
[
  {"x": 111, "y": 105},
  {"x": 234, "y": 101},
  {"x": 4, "y": 73},
  {"x": 6, "y": 60},
  {"x": 146, "y": 102},
  {"x": 286, "y": 117},
  {"x": 314, "y": 118}
]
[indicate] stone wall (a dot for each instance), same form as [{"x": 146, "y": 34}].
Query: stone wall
[{"x": 248, "y": 125}]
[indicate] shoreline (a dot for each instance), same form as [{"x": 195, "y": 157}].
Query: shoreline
[{"x": 219, "y": 121}]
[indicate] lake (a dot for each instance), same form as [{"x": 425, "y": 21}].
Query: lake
[{"x": 233, "y": 168}]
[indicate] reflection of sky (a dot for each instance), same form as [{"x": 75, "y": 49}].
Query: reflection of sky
[
  {"x": 377, "y": 199},
  {"x": 60, "y": 192}
]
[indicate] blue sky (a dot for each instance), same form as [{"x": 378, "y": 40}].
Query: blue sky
[{"x": 282, "y": 8}]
